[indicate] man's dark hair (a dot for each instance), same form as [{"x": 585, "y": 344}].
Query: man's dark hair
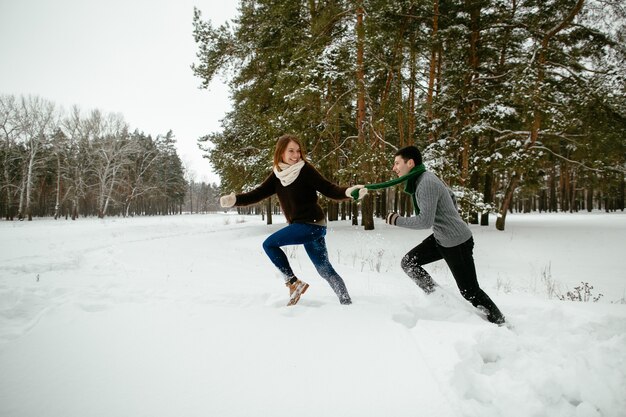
[{"x": 410, "y": 152}]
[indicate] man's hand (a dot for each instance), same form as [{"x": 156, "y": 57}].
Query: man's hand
[{"x": 392, "y": 217}]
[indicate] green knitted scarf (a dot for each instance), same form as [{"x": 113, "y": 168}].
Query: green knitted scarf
[{"x": 409, "y": 187}]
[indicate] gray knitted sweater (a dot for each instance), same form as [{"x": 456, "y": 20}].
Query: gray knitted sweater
[{"x": 437, "y": 210}]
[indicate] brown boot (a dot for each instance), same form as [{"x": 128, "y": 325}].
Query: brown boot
[{"x": 296, "y": 289}]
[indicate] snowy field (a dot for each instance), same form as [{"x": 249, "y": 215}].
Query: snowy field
[{"x": 184, "y": 316}]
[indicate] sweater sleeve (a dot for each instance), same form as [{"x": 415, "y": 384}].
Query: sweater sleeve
[
  {"x": 263, "y": 191},
  {"x": 427, "y": 196},
  {"x": 323, "y": 185},
  {"x": 437, "y": 210}
]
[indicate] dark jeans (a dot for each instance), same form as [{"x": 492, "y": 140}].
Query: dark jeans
[
  {"x": 312, "y": 237},
  {"x": 460, "y": 260}
]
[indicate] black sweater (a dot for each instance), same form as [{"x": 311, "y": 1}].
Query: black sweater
[{"x": 299, "y": 199}]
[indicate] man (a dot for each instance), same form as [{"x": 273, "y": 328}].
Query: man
[{"x": 451, "y": 240}]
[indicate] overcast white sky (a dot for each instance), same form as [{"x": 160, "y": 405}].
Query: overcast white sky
[{"x": 123, "y": 56}]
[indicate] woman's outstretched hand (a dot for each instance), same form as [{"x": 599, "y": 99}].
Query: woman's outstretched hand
[{"x": 229, "y": 200}]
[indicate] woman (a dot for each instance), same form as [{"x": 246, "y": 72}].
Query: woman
[{"x": 296, "y": 182}]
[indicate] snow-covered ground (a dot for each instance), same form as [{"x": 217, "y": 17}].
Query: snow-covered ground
[{"x": 185, "y": 316}]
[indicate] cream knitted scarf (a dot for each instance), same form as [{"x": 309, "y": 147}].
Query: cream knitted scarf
[{"x": 288, "y": 173}]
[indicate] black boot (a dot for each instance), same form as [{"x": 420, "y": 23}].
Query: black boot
[{"x": 482, "y": 301}]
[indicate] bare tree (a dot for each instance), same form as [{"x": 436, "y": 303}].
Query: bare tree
[
  {"x": 10, "y": 130},
  {"x": 77, "y": 159},
  {"x": 111, "y": 151},
  {"x": 38, "y": 119},
  {"x": 142, "y": 156},
  {"x": 59, "y": 146},
  {"x": 190, "y": 177}
]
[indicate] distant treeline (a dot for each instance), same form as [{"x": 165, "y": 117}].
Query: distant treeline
[
  {"x": 70, "y": 165},
  {"x": 201, "y": 198}
]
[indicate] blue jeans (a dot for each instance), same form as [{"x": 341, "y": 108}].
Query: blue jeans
[{"x": 312, "y": 237}]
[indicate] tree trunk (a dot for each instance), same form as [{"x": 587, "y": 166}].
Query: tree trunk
[
  {"x": 395, "y": 63},
  {"x": 620, "y": 193},
  {"x": 57, "y": 205},
  {"x": 29, "y": 182},
  {"x": 411, "y": 94},
  {"x": 333, "y": 211},
  {"x": 381, "y": 206},
  {"x": 360, "y": 73},
  {"x": 572, "y": 194},
  {"x": 506, "y": 202},
  {"x": 9, "y": 209},
  {"x": 268, "y": 209},
  {"x": 474, "y": 185},
  {"x": 471, "y": 107},
  {"x": 432, "y": 68},
  {"x": 107, "y": 198},
  {"x": 487, "y": 196},
  {"x": 367, "y": 212},
  {"x": 191, "y": 197}
]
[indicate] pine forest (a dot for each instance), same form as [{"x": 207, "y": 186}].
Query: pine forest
[{"x": 517, "y": 105}]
